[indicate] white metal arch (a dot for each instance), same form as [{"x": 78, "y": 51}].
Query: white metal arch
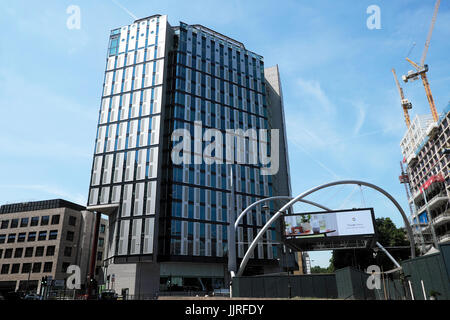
[
  {"x": 254, "y": 204},
  {"x": 232, "y": 239},
  {"x": 302, "y": 195}
]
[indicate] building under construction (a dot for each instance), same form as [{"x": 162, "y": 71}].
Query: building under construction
[{"x": 425, "y": 149}]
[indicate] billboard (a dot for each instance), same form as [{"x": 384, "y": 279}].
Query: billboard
[{"x": 329, "y": 230}]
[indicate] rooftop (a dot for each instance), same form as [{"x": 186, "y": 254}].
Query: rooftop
[{"x": 39, "y": 205}]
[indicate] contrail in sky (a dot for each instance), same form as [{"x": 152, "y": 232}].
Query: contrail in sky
[{"x": 125, "y": 9}]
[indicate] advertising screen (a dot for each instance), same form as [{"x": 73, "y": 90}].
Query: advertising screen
[{"x": 331, "y": 229}]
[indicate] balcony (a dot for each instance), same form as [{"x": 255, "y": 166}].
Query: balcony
[
  {"x": 444, "y": 238},
  {"x": 434, "y": 202},
  {"x": 442, "y": 218}
]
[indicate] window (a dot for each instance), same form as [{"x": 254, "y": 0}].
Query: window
[
  {"x": 70, "y": 235},
  {"x": 44, "y": 220},
  {"x": 72, "y": 221},
  {"x": 39, "y": 252},
  {"x": 101, "y": 242},
  {"x": 18, "y": 253},
  {"x": 34, "y": 221},
  {"x": 37, "y": 267},
  {"x": 50, "y": 251},
  {"x": 2, "y": 238},
  {"x": 22, "y": 237},
  {"x": 26, "y": 267},
  {"x": 64, "y": 266},
  {"x": 14, "y": 223},
  {"x": 5, "y": 269},
  {"x": 12, "y": 238},
  {"x": 29, "y": 252},
  {"x": 42, "y": 235},
  {"x": 24, "y": 223},
  {"x": 53, "y": 235},
  {"x": 8, "y": 253},
  {"x": 31, "y": 236},
  {"x": 48, "y": 267},
  {"x": 99, "y": 256},
  {"x": 15, "y": 268},
  {"x": 5, "y": 224},
  {"x": 55, "y": 219},
  {"x": 67, "y": 251},
  {"x": 1, "y": 253},
  {"x": 102, "y": 228}
]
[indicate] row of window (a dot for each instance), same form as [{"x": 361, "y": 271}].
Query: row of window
[
  {"x": 25, "y": 222},
  {"x": 245, "y": 184},
  {"x": 218, "y": 78},
  {"x": 33, "y": 236},
  {"x": 223, "y": 52},
  {"x": 32, "y": 252},
  {"x": 34, "y": 221},
  {"x": 192, "y": 247},
  {"x": 212, "y": 117},
  {"x": 35, "y": 267}
]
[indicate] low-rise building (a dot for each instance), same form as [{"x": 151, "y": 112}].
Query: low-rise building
[{"x": 43, "y": 238}]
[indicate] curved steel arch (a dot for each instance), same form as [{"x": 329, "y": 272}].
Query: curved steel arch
[
  {"x": 302, "y": 195},
  {"x": 254, "y": 204}
]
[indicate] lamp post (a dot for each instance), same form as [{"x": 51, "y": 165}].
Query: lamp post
[{"x": 231, "y": 230}]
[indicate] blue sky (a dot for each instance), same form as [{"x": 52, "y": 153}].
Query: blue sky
[{"x": 343, "y": 112}]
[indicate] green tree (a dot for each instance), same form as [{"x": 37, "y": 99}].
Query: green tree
[
  {"x": 318, "y": 269},
  {"x": 389, "y": 236}
]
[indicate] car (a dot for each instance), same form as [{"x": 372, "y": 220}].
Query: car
[
  {"x": 32, "y": 296},
  {"x": 108, "y": 295},
  {"x": 221, "y": 292}
]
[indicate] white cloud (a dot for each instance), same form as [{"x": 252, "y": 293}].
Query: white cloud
[
  {"x": 50, "y": 191},
  {"x": 312, "y": 89}
]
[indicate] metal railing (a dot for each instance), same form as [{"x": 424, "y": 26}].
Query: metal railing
[
  {"x": 441, "y": 217},
  {"x": 444, "y": 238}
]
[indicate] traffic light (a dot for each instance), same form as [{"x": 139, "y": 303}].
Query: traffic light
[{"x": 44, "y": 281}]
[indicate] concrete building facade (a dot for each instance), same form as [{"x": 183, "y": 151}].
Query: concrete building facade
[
  {"x": 169, "y": 222},
  {"x": 43, "y": 238}
]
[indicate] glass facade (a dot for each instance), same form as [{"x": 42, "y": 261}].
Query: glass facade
[
  {"x": 220, "y": 84},
  {"x": 158, "y": 79}
]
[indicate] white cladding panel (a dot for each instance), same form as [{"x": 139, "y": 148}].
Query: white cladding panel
[
  {"x": 135, "y": 245},
  {"x": 148, "y": 235}
]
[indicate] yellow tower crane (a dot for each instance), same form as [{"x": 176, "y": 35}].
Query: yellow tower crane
[
  {"x": 422, "y": 69},
  {"x": 406, "y": 105}
]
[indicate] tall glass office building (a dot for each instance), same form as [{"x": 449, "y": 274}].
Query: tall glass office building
[{"x": 169, "y": 222}]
